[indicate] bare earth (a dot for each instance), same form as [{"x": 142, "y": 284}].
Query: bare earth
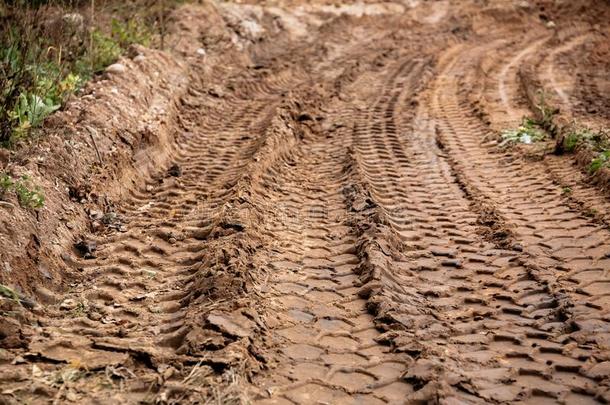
[{"x": 323, "y": 215}]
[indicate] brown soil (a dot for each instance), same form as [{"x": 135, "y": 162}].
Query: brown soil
[{"x": 305, "y": 202}]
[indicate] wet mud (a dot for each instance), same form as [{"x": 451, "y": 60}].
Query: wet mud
[{"x": 331, "y": 219}]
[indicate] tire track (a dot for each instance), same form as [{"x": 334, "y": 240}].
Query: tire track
[
  {"x": 335, "y": 226},
  {"x": 561, "y": 248}
]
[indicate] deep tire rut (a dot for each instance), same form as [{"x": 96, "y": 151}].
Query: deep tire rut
[{"x": 336, "y": 223}]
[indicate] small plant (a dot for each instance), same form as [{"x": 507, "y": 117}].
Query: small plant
[
  {"x": 601, "y": 160},
  {"x": 6, "y": 184},
  {"x": 104, "y": 51},
  {"x": 132, "y": 31},
  {"x": 546, "y": 115},
  {"x": 527, "y": 133},
  {"x": 598, "y": 141},
  {"x": 29, "y": 196},
  {"x": 571, "y": 142}
]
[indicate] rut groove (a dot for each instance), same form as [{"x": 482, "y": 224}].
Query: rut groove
[{"x": 339, "y": 225}]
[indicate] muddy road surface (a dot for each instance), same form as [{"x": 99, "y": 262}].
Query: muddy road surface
[{"x": 334, "y": 219}]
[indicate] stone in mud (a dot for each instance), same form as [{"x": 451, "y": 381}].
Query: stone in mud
[
  {"x": 116, "y": 68},
  {"x": 68, "y": 305}
]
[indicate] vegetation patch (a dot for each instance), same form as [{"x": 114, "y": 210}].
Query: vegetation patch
[
  {"x": 601, "y": 160},
  {"x": 527, "y": 133},
  {"x": 598, "y": 142},
  {"x": 28, "y": 195},
  {"x": 533, "y": 129},
  {"x": 49, "y": 49}
]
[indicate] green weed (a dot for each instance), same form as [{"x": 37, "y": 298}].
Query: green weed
[
  {"x": 601, "y": 160},
  {"x": 6, "y": 184},
  {"x": 546, "y": 115},
  {"x": 132, "y": 31},
  {"x": 526, "y": 133},
  {"x": 28, "y": 195}
]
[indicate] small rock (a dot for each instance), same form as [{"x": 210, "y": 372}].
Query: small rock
[
  {"x": 116, "y": 68},
  {"x": 149, "y": 188},
  {"x": 36, "y": 371},
  {"x": 95, "y": 215},
  {"x": 233, "y": 324},
  {"x": 550, "y": 24},
  {"x": 95, "y": 316},
  {"x": 599, "y": 371},
  {"x": 201, "y": 52},
  {"x": 110, "y": 218},
  {"x": 68, "y": 305},
  {"x": 139, "y": 58},
  {"x": 172, "y": 241},
  {"x": 70, "y": 225}
]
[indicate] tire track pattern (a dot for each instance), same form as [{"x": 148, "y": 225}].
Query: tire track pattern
[{"x": 563, "y": 251}]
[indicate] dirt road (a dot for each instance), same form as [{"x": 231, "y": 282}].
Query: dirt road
[{"x": 336, "y": 222}]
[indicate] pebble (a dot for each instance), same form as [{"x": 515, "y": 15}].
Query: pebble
[
  {"x": 139, "y": 58},
  {"x": 116, "y": 68},
  {"x": 201, "y": 52},
  {"x": 68, "y": 305}
]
